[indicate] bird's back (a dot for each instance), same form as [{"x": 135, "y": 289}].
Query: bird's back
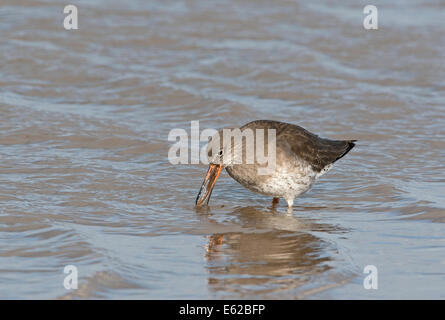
[{"x": 304, "y": 145}]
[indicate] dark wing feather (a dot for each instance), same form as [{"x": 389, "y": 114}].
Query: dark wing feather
[{"x": 316, "y": 151}]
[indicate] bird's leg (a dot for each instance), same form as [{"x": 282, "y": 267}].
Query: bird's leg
[
  {"x": 275, "y": 201},
  {"x": 290, "y": 203}
]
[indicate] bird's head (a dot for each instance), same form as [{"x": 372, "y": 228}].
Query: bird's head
[{"x": 223, "y": 150}]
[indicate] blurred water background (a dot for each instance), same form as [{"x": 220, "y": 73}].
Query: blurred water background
[{"x": 84, "y": 174}]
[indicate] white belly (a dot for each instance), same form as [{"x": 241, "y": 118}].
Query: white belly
[
  {"x": 286, "y": 182},
  {"x": 288, "y": 185}
]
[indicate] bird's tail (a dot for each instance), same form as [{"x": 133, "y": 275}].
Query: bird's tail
[{"x": 349, "y": 146}]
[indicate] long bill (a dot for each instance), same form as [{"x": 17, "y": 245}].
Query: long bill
[{"x": 208, "y": 184}]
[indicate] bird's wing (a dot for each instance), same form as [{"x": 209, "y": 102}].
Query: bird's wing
[{"x": 316, "y": 151}]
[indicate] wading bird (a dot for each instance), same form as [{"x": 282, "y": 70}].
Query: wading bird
[{"x": 300, "y": 158}]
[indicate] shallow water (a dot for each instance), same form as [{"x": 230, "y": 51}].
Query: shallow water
[{"x": 84, "y": 174}]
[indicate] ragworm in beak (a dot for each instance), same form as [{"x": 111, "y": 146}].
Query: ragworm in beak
[{"x": 208, "y": 184}]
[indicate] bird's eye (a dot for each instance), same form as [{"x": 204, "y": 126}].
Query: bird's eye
[{"x": 220, "y": 153}]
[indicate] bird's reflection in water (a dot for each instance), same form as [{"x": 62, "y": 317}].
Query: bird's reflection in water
[{"x": 269, "y": 252}]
